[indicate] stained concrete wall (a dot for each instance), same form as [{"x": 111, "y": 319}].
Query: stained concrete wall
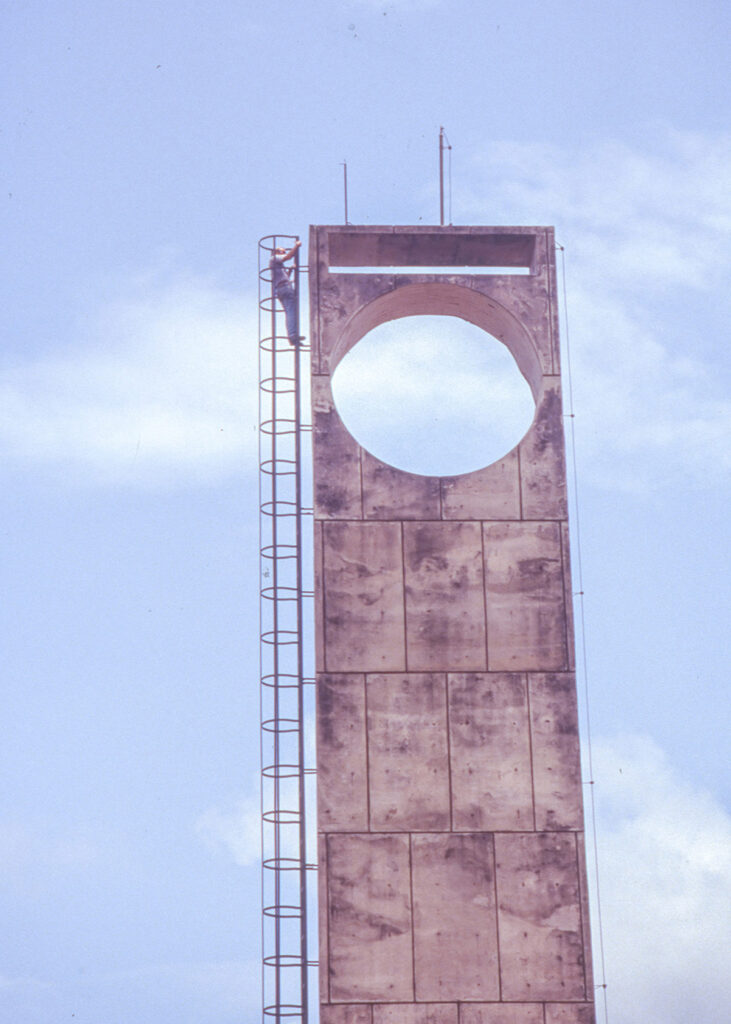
[{"x": 452, "y": 872}]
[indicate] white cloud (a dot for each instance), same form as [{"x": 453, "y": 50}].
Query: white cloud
[
  {"x": 235, "y": 829},
  {"x": 162, "y": 385},
  {"x": 665, "y": 874}
]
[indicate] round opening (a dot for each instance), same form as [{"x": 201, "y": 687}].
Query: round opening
[{"x": 433, "y": 395}]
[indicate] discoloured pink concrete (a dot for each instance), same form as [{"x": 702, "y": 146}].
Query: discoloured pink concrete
[
  {"x": 369, "y": 903},
  {"x": 490, "y": 752},
  {"x": 455, "y": 927},
  {"x": 407, "y": 753},
  {"x": 542, "y": 481},
  {"x": 490, "y": 493},
  {"x": 322, "y": 920},
  {"x": 347, "y": 1013},
  {"x": 526, "y": 620},
  {"x": 541, "y": 952},
  {"x": 426, "y": 1013},
  {"x": 363, "y": 596},
  {"x": 342, "y": 790},
  {"x": 501, "y": 1013},
  {"x": 556, "y": 765},
  {"x": 452, "y": 878},
  {"x": 337, "y": 470},
  {"x": 568, "y": 1013},
  {"x": 390, "y": 493},
  {"x": 445, "y": 596}
]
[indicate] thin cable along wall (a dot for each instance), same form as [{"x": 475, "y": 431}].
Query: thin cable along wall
[{"x": 286, "y": 670}]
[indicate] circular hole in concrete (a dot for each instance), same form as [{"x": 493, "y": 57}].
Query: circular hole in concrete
[{"x": 433, "y": 395}]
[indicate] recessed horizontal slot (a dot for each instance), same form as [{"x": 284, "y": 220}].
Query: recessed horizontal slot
[
  {"x": 445, "y": 247},
  {"x": 444, "y": 269}
]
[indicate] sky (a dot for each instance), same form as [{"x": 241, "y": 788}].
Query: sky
[{"x": 148, "y": 146}]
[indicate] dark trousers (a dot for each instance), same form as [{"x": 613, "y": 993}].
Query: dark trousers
[{"x": 288, "y": 300}]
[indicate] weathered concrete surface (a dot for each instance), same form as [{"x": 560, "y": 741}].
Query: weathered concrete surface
[
  {"x": 567, "y": 1013},
  {"x": 347, "y": 1013},
  {"x": 555, "y": 741},
  {"x": 490, "y": 493},
  {"x": 490, "y": 752},
  {"x": 455, "y": 927},
  {"x": 526, "y": 619},
  {"x": 445, "y": 596},
  {"x": 452, "y": 886},
  {"x": 408, "y": 770},
  {"x": 363, "y": 595},
  {"x": 389, "y": 493},
  {"x": 323, "y": 920},
  {"x": 539, "y": 920},
  {"x": 318, "y": 601},
  {"x": 542, "y": 480},
  {"x": 501, "y": 1013},
  {"x": 430, "y": 247},
  {"x": 369, "y": 907},
  {"x": 342, "y": 789},
  {"x": 584, "y": 895},
  {"x": 336, "y": 469},
  {"x": 429, "y": 1013}
]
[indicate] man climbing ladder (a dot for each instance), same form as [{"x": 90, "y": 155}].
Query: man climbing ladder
[{"x": 285, "y": 291}]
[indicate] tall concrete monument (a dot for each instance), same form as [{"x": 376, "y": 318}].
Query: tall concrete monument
[{"x": 452, "y": 869}]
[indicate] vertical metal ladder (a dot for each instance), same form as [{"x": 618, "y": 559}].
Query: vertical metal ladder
[{"x": 286, "y": 672}]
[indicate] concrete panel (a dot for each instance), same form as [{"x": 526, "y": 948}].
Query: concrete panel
[
  {"x": 407, "y": 752},
  {"x": 541, "y": 952},
  {"x": 542, "y": 473},
  {"x": 346, "y": 1013},
  {"x": 490, "y": 493},
  {"x": 555, "y": 736},
  {"x": 570, "y": 1013},
  {"x": 363, "y": 597},
  {"x": 501, "y": 1013},
  {"x": 490, "y": 752},
  {"x": 342, "y": 794},
  {"x": 369, "y": 918},
  {"x": 340, "y": 294},
  {"x": 389, "y": 493},
  {"x": 445, "y": 620},
  {"x": 426, "y": 1013},
  {"x": 323, "y": 875},
  {"x": 526, "y": 624},
  {"x": 319, "y": 590},
  {"x": 527, "y": 299},
  {"x": 455, "y": 933},
  {"x": 568, "y": 596},
  {"x": 336, "y": 461},
  {"x": 585, "y": 921}
]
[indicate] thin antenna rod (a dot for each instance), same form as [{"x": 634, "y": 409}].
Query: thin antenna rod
[
  {"x": 345, "y": 189},
  {"x": 444, "y": 144},
  {"x": 441, "y": 175}
]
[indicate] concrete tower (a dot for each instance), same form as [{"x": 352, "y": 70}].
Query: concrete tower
[{"x": 452, "y": 869}]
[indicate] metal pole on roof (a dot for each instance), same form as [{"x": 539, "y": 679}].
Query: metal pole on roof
[
  {"x": 444, "y": 143},
  {"x": 345, "y": 189},
  {"x": 441, "y": 175}
]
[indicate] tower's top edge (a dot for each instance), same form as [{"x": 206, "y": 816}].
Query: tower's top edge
[
  {"x": 442, "y": 229},
  {"x": 347, "y": 245}
]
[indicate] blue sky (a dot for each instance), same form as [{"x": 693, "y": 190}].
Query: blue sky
[{"x": 148, "y": 147}]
